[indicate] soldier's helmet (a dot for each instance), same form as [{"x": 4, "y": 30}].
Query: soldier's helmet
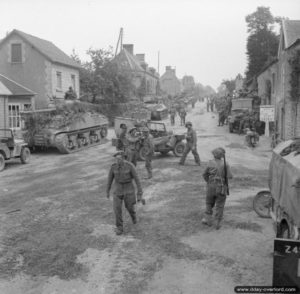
[
  {"x": 218, "y": 153},
  {"x": 123, "y": 126},
  {"x": 188, "y": 124}
]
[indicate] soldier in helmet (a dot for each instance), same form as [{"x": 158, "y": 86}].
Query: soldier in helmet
[
  {"x": 216, "y": 176},
  {"x": 123, "y": 172},
  {"x": 149, "y": 150},
  {"x": 127, "y": 143},
  {"x": 191, "y": 144}
]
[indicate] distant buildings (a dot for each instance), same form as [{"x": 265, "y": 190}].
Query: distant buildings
[
  {"x": 188, "y": 83},
  {"x": 169, "y": 83},
  {"x": 275, "y": 81},
  {"x": 145, "y": 78}
]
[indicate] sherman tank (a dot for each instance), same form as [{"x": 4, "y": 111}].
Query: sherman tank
[{"x": 69, "y": 128}]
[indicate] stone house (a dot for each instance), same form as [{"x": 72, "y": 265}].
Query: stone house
[
  {"x": 169, "y": 83},
  {"x": 266, "y": 83},
  {"x": 139, "y": 69},
  {"x": 13, "y": 99},
  {"x": 38, "y": 65}
]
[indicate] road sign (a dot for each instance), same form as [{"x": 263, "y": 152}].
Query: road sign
[
  {"x": 286, "y": 263},
  {"x": 267, "y": 113}
]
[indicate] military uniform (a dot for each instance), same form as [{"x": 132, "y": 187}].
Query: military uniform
[
  {"x": 126, "y": 144},
  {"x": 149, "y": 146},
  {"x": 191, "y": 145},
  {"x": 124, "y": 190},
  {"x": 216, "y": 193},
  {"x": 172, "y": 116},
  {"x": 182, "y": 115}
]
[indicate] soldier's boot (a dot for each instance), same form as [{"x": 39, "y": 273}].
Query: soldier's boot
[
  {"x": 119, "y": 231},
  {"x": 218, "y": 224},
  {"x": 207, "y": 220}
]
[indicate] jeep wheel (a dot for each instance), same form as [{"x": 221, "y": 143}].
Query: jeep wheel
[
  {"x": 25, "y": 155},
  {"x": 178, "y": 149},
  {"x": 2, "y": 162},
  {"x": 142, "y": 153}
]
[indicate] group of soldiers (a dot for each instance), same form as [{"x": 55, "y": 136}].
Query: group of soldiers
[
  {"x": 181, "y": 113},
  {"x": 123, "y": 173}
]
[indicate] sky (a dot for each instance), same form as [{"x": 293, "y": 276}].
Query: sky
[{"x": 202, "y": 38}]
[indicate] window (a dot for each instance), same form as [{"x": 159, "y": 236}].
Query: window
[
  {"x": 27, "y": 107},
  {"x": 58, "y": 80},
  {"x": 16, "y": 53},
  {"x": 14, "y": 116},
  {"x": 73, "y": 80}
]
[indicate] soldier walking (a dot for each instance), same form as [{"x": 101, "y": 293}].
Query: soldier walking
[
  {"x": 172, "y": 115},
  {"x": 149, "y": 151},
  {"x": 127, "y": 144},
  {"x": 122, "y": 172},
  {"x": 191, "y": 144},
  {"x": 216, "y": 176},
  {"x": 182, "y": 114}
]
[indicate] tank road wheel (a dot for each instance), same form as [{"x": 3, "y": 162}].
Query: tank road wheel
[
  {"x": 65, "y": 144},
  {"x": 86, "y": 138},
  {"x": 103, "y": 132},
  {"x": 25, "y": 155},
  {"x": 98, "y": 135},
  {"x": 178, "y": 149},
  {"x": 2, "y": 162}
]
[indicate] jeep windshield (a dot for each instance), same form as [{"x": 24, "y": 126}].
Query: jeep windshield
[{"x": 6, "y": 133}]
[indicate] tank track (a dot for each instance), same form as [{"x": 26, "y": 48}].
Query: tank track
[{"x": 62, "y": 139}]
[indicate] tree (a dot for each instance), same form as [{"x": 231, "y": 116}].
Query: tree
[
  {"x": 230, "y": 85},
  {"x": 102, "y": 78},
  {"x": 262, "y": 42}
]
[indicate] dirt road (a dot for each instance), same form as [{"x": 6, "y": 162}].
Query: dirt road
[{"x": 57, "y": 237}]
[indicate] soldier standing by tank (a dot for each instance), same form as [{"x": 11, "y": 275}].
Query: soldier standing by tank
[
  {"x": 70, "y": 94},
  {"x": 172, "y": 115},
  {"x": 127, "y": 144},
  {"x": 191, "y": 144},
  {"x": 216, "y": 175},
  {"x": 149, "y": 151},
  {"x": 123, "y": 172}
]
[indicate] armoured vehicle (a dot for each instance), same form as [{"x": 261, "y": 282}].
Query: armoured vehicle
[
  {"x": 69, "y": 128},
  {"x": 12, "y": 148}
]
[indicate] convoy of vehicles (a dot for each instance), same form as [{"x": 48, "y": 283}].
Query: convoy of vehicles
[{"x": 12, "y": 148}]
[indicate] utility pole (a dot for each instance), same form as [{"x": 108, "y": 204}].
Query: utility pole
[
  {"x": 120, "y": 41},
  {"x": 158, "y": 62}
]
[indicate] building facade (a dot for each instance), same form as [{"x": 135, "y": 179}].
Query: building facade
[
  {"x": 38, "y": 65},
  {"x": 14, "y": 98},
  {"x": 188, "y": 83},
  {"x": 169, "y": 83},
  {"x": 143, "y": 76}
]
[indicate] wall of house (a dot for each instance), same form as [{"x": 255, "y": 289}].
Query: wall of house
[
  {"x": 269, "y": 76},
  {"x": 3, "y": 112},
  {"x": 66, "y": 73},
  {"x": 289, "y": 125},
  {"x": 31, "y": 73},
  {"x": 170, "y": 84}
]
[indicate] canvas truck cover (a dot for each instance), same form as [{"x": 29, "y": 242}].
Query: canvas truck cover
[
  {"x": 243, "y": 103},
  {"x": 284, "y": 181}
]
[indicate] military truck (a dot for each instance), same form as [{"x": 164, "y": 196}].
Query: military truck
[
  {"x": 284, "y": 184},
  {"x": 241, "y": 108},
  {"x": 70, "y": 127}
]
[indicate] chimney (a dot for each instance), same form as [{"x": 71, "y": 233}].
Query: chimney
[
  {"x": 140, "y": 57},
  {"x": 129, "y": 48}
]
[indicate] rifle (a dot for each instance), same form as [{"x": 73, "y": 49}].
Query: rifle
[{"x": 226, "y": 176}]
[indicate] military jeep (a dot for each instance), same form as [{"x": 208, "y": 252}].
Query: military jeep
[
  {"x": 164, "y": 141},
  {"x": 12, "y": 148}
]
